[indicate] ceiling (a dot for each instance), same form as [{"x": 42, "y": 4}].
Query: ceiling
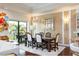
[
  {"x": 42, "y": 7},
  {"x": 15, "y": 7},
  {"x": 32, "y": 7}
]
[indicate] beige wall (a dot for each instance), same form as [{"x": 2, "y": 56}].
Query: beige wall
[
  {"x": 66, "y": 28},
  {"x": 57, "y": 17},
  {"x": 58, "y": 22},
  {"x": 73, "y": 24},
  {"x": 73, "y": 27}
]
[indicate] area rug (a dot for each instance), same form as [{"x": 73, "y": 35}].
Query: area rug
[{"x": 40, "y": 52}]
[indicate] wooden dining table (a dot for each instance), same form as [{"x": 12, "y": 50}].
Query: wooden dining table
[{"x": 48, "y": 40}]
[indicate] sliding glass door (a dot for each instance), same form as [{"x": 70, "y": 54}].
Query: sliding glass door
[
  {"x": 16, "y": 28},
  {"x": 13, "y": 29}
]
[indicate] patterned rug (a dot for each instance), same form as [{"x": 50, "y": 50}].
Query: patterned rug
[{"x": 40, "y": 52}]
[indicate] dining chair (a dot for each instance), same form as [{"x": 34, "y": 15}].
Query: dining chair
[
  {"x": 54, "y": 44},
  {"x": 30, "y": 41},
  {"x": 48, "y": 34},
  {"x": 42, "y": 34},
  {"x": 39, "y": 42}
]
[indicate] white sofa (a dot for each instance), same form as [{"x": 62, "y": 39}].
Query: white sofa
[
  {"x": 8, "y": 48},
  {"x": 75, "y": 48}
]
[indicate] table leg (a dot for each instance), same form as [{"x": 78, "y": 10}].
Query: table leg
[
  {"x": 25, "y": 41},
  {"x": 20, "y": 39},
  {"x": 49, "y": 48}
]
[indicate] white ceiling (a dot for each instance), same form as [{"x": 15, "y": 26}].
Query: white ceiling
[
  {"x": 40, "y": 7},
  {"x": 15, "y": 7},
  {"x": 37, "y": 5},
  {"x": 32, "y": 7}
]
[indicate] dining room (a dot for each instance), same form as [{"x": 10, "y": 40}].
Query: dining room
[{"x": 40, "y": 30}]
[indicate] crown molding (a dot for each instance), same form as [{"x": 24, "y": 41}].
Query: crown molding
[{"x": 62, "y": 9}]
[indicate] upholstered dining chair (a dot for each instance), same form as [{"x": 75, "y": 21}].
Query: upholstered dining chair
[
  {"x": 42, "y": 34},
  {"x": 54, "y": 44},
  {"x": 29, "y": 40},
  {"x": 48, "y": 34},
  {"x": 39, "y": 42}
]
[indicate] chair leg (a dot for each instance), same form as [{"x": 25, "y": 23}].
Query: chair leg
[
  {"x": 25, "y": 44},
  {"x": 57, "y": 46},
  {"x": 42, "y": 47},
  {"x": 36, "y": 45},
  {"x": 54, "y": 49},
  {"x": 32, "y": 44},
  {"x": 21, "y": 40},
  {"x": 28, "y": 44}
]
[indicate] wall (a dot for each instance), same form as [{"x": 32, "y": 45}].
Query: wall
[
  {"x": 58, "y": 24},
  {"x": 73, "y": 24},
  {"x": 57, "y": 19},
  {"x": 66, "y": 27}
]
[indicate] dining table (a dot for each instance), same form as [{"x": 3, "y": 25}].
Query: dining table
[{"x": 48, "y": 40}]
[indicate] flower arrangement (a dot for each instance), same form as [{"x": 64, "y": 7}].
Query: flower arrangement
[{"x": 3, "y": 23}]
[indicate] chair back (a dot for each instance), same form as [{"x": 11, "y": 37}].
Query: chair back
[
  {"x": 29, "y": 37},
  {"x": 48, "y": 34},
  {"x": 57, "y": 37},
  {"x": 42, "y": 34},
  {"x": 38, "y": 38}
]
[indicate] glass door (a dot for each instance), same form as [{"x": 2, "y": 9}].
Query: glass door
[
  {"x": 22, "y": 29},
  {"x": 13, "y": 29},
  {"x": 16, "y": 30}
]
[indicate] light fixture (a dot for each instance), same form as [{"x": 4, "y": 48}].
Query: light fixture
[{"x": 66, "y": 18}]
